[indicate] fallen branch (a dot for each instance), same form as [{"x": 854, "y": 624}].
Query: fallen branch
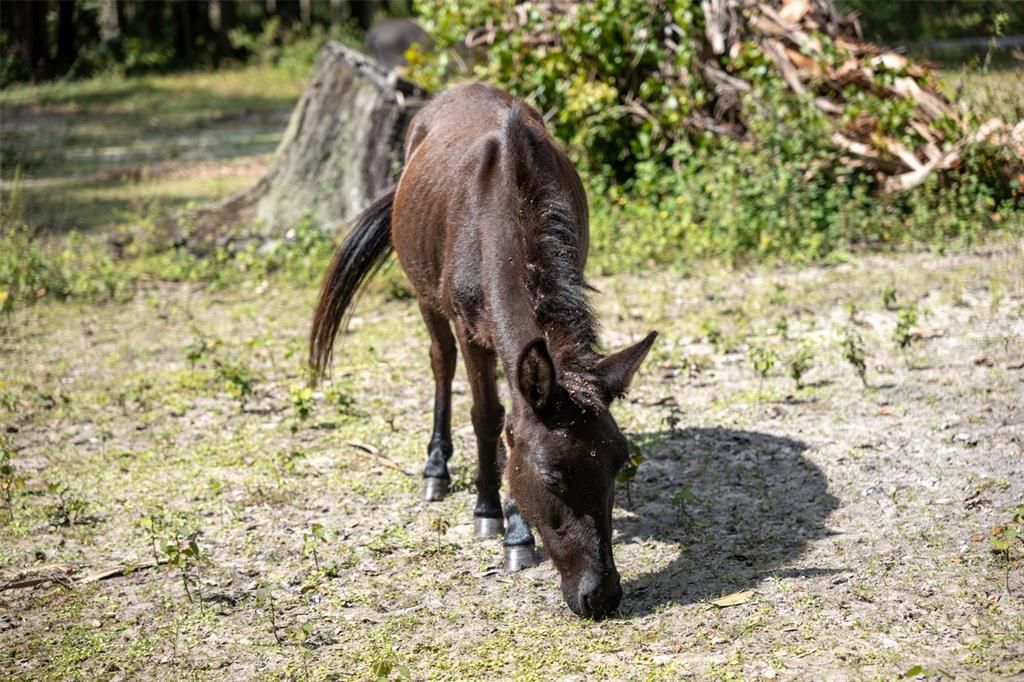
[
  {"x": 375, "y": 455},
  {"x": 62, "y": 575}
]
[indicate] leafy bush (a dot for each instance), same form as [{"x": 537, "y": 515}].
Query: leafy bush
[
  {"x": 665, "y": 195},
  {"x": 290, "y": 48}
]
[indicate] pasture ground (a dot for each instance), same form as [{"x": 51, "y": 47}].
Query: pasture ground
[
  {"x": 859, "y": 517},
  {"x": 183, "y": 507}
]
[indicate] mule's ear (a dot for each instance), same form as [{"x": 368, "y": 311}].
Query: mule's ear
[
  {"x": 536, "y": 374},
  {"x": 617, "y": 369}
]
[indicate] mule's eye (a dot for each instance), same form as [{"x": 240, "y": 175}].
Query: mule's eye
[{"x": 550, "y": 479}]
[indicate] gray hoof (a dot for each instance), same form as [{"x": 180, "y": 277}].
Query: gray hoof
[
  {"x": 519, "y": 557},
  {"x": 485, "y": 527},
  {"x": 434, "y": 489}
]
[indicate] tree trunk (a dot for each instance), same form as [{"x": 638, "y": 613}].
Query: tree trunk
[
  {"x": 39, "y": 47},
  {"x": 153, "y": 18},
  {"x": 110, "y": 27},
  {"x": 65, "y": 35},
  {"x": 362, "y": 11},
  {"x": 340, "y": 151},
  {"x": 183, "y": 32}
]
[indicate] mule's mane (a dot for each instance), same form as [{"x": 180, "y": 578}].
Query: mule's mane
[{"x": 551, "y": 205}]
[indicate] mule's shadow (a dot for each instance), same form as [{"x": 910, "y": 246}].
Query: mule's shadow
[{"x": 738, "y": 505}]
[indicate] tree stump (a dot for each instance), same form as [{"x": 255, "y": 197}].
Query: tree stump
[{"x": 341, "y": 150}]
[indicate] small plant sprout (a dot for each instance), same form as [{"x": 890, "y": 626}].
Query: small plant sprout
[
  {"x": 69, "y": 509},
  {"x": 853, "y": 353},
  {"x": 265, "y": 597},
  {"x": 1007, "y": 542},
  {"x": 311, "y": 540},
  {"x": 799, "y": 363},
  {"x": 151, "y": 525},
  {"x": 284, "y": 464},
  {"x": 440, "y": 525},
  {"x": 782, "y": 327},
  {"x": 237, "y": 377},
  {"x": 681, "y": 499},
  {"x": 185, "y": 555},
  {"x": 778, "y": 295},
  {"x": 712, "y": 334},
  {"x": 763, "y": 359},
  {"x": 300, "y": 634},
  {"x": 385, "y": 664},
  {"x": 197, "y": 350},
  {"x": 904, "y": 334},
  {"x": 302, "y": 401},
  {"x": 852, "y": 311},
  {"x": 889, "y": 297},
  {"x": 628, "y": 471},
  {"x": 10, "y": 481},
  {"x": 340, "y": 398}
]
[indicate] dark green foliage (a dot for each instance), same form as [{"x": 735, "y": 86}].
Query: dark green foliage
[
  {"x": 918, "y": 20},
  {"x": 665, "y": 193},
  {"x": 161, "y": 36}
]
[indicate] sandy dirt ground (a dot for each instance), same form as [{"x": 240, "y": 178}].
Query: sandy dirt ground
[{"x": 168, "y": 443}]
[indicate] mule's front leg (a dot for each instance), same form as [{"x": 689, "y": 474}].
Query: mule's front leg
[
  {"x": 488, "y": 421},
  {"x": 436, "y": 478},
  {"x": 520, "y": 548}
]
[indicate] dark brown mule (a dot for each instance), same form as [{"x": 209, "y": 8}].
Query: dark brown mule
[{"x": 489, "y": 221}]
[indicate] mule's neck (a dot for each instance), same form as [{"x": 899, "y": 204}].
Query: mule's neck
[{"x": 537, "y": 291}]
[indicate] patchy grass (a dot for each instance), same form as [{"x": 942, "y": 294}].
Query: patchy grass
[
  {"x": 850, "y": 511},
  {"x": 163, "y": 402},
  {"x": 999, "y": 92},
  {"x": 92, "y": 154}
]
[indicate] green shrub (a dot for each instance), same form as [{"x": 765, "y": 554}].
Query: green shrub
[{"x": 663, "y": 194}]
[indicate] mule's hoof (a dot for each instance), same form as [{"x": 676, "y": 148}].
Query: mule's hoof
[
  {"x": 485, "y": 527},
  {"x": 519, "y": 557},
  {"x": 434, "y": 489}
]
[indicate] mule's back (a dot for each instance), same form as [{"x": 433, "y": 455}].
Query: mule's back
[{"x": 481, "y": 172}]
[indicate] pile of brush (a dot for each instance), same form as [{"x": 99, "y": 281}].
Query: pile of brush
[{"x": 819, "y": 54}]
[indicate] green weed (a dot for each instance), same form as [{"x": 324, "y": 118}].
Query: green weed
[
  {"x": 903, "y": 335},
  {"x": 628, "y": 471},
  {"x": 311, "y": 539},
  {"x": 800, "y": 360},
  {"x": 763, "y": 360},
  {"x": 184, "y": 554},
  {"x": 68, "y": 509},
  {"x": 10, "y": 480},
  {"x": 852, "y": 345}
]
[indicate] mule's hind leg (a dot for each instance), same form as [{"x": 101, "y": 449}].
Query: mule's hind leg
[
  {"x": 488, "y": 418},
  {"x": 442, "y": 360}
]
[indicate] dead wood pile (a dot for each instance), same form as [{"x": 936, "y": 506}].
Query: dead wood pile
[{"x": 819, "y": 54}]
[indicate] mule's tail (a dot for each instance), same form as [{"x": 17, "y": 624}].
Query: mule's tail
[{"x": 361, "y": 254}]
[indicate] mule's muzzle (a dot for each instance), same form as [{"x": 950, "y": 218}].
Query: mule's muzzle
[{"x": 596, "y": 596}]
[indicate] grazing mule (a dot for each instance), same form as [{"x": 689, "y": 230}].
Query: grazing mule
[{"x": 489, "y": 221}]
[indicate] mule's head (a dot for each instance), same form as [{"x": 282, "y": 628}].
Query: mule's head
[{"x": 561, "y": 470}]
